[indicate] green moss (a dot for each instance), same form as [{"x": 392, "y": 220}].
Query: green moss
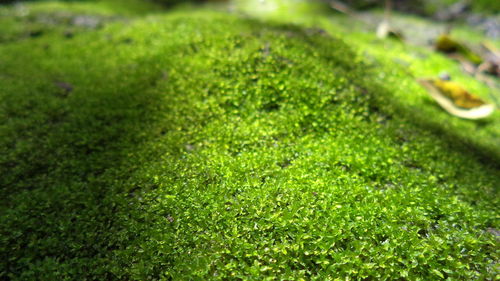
[
  {"x": 488, "y": 6},
  {"x": 200, "y": 145}
]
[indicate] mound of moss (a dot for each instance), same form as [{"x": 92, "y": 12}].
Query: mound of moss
[{"x": 206, "y": 146}]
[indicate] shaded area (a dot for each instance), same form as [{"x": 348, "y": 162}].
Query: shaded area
[{"x": 76, "y": 120}]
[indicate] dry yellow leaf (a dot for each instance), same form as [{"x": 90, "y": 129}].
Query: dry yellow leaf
[{"x": 456, "y": 100}]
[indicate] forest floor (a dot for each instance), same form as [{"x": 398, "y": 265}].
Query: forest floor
[{"x": 238, "y": 142}]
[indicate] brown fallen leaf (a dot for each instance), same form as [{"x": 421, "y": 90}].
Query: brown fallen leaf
[
  {"x": 456, "y": 100},
  {"x": 385, "y": 30},
  {"x": 446, "y": 44}
]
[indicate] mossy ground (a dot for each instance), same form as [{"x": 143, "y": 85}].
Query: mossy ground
[{"x": 201, "y": 145}]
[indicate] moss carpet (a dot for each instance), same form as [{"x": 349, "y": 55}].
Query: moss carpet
[{"x": 207, "y": 146}]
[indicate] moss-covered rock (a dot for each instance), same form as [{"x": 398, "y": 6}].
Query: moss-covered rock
[{"x": 201, "y": 145}]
